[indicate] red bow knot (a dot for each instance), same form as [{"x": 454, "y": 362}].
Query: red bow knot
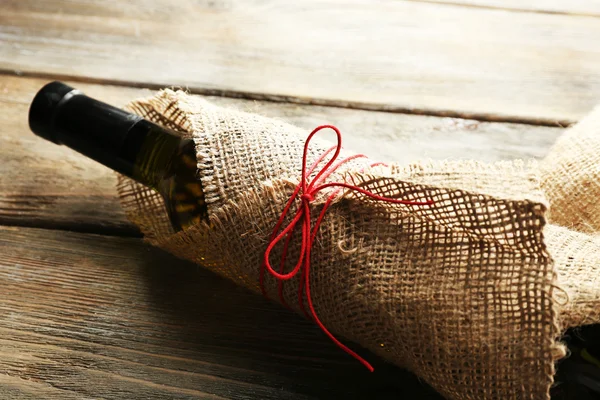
[
  {"x": 307, "y": 191},
  {"x": 307, "y": 197}
]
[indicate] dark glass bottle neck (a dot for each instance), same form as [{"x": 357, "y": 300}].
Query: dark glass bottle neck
[
  {"x": 111, "y": 136},
  {"x": 155, "y": 152}
]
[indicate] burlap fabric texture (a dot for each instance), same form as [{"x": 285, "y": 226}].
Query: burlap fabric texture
[{"x": 471, "y": 293}]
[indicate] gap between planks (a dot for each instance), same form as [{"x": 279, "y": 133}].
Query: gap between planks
[
  {"x": 485, "y": 6},
  {"x": 411, "y": 57},
  {"x": 275, "y": 98}
]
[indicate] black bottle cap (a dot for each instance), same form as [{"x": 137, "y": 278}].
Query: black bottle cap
[{"x": 44, "y": 107}]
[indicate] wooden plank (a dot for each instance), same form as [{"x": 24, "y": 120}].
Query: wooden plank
[
  {"x": 90, "y": 316},
  {"x": 45, "y": 185},
  {"x": 579, "y": 7},
  {"x": 385, "y": 54}
]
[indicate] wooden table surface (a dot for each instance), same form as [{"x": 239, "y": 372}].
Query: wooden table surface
[{"x": 88, "y": 311}]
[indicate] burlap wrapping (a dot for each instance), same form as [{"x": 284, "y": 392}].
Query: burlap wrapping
[{"x": 471, "y": 293}]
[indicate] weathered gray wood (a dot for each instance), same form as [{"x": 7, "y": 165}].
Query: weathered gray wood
[
  {"x": 387, "y": 54},
  {"x": 90, "y": 316},
  {"x": 45, "y": 185},
  {"x": 87, "y": 316}
]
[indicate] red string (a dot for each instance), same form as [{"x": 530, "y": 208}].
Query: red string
[{"x": 307, "y": 190}]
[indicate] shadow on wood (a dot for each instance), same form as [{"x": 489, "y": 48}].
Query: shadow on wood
[{"x": 263, "y": 336}]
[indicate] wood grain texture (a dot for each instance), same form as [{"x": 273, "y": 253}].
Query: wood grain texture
[
  {"x": 45, "y": 185},
  {"x": 87, "y": 316},
  {"x": 570, "y": 7},
  {"x": 384, "y": 54}
]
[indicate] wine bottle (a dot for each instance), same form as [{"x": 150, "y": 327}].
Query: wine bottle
[{"x": 135, "y": 147}]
